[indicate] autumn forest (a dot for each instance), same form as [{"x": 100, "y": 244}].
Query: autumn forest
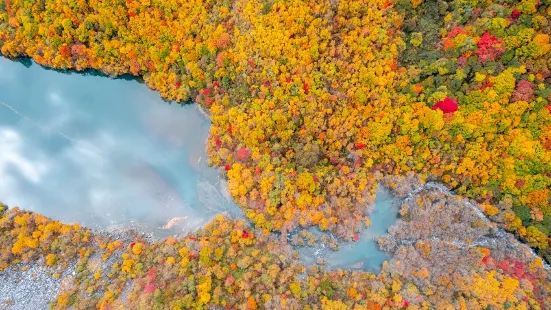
[{"x": 313, "y": 104}]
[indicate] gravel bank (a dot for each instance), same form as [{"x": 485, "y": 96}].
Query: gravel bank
[
  {"x": 32, "y": 289},
  {"x": 35, "y": 287}
]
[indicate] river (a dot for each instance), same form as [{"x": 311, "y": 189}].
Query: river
[
  {"x": 363, "y": 254},
  {"x": 102, "y": 152}
]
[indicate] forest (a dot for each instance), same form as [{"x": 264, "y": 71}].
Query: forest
[
  {"x": 312, "y": 102},
  {"x": 230, "y": 264}
]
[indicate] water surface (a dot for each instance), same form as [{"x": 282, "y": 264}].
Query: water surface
[{"x": 104, "y": 152}]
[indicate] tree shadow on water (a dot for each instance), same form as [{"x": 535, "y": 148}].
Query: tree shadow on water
[{"x": 28, "y": 62}]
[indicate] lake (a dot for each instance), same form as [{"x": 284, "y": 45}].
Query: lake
[{"x": 102, "y": 152}]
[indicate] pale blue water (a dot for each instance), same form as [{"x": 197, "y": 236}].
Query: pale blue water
[
  {"x": 110, "y": 153},
  {"x": 363, "y": 254},
  {"x": 103, "y": 152}
]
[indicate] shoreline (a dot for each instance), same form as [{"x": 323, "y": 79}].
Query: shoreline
[
  {"x": 26, "y": 60},
  {"x": 37, "y": 270}
]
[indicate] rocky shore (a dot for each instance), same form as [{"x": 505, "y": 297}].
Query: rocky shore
[
  {"x": 30, "y": 286},
  {"x": 34, "y": 286}
]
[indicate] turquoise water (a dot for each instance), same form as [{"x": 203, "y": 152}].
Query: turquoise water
[
  {"x": 104, "y": 152},
  {"x": 110, "y": 153},
  {"x": 363, "y": 254}
]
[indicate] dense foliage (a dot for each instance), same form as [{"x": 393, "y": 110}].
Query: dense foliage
[
  {"x": 308, "y": 98},
  {"x": 493, "y": 58},
  {"x": 296, "y": 90},
  {"x": 229, "y": 264}
]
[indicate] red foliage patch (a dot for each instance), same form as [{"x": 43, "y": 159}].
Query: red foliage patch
[
  {"x": 151, "y": 274},
  {"x": 149, "y": 288},
  {"x": 519, "y": 183},
  {"x": 360, "y": 146},
  {"x": 448, "y": 105},
  {"x": 487, "y": 85},
  {"x": 485, "y": 259},
  {"x": 217, "y": 141},
  {"x": 456, "y": 31},
  {"x": 243, "y": 153},
  {"x": 489, "y": 48},
  {"x": 78, "y": 50},
  {"x": 515, "y": 14},
  {"x": 246, "y": 235},
  {"x": 519, "y": 269},
  {"x": 65, "y": 51},
  {"x": 503, "y": 265},
  {"x": 227, "y": 167},
  {"x": 524, "y": 91},
  {"x": 206, "y": 92},
  {"x": 356, "y": 237}
]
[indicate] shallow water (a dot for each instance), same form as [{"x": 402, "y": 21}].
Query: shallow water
[
  {"x": 363, "y": 254},
  {"x": 104, "y": 152}
]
